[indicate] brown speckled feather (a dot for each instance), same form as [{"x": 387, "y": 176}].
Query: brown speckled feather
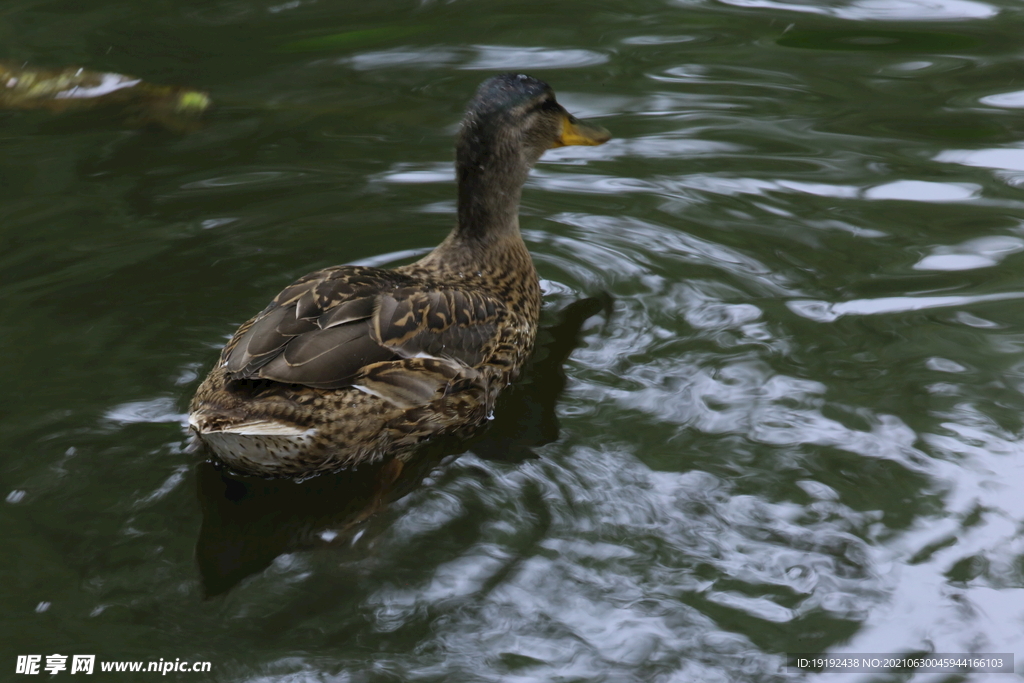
[
  {"x": 323, "y": 331},
  {"x": 351, "y": 364}
]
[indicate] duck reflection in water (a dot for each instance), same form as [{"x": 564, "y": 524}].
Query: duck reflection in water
[{"x": 249, "y": 521}]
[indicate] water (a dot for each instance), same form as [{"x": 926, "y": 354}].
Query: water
[{"x": 787, "y": 296}]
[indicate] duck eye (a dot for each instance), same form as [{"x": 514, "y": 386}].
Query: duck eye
[{"x": 547, "y": 104}]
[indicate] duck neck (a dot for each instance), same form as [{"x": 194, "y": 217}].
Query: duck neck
[{"x": 490, "y": 179}]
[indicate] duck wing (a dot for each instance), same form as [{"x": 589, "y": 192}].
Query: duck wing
[{"x": 340, "y": 326}]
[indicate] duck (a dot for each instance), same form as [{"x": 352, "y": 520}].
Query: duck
[{"x": 355, "y": 364}]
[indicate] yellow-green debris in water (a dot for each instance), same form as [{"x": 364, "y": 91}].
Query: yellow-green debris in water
[{"x": 75, "y": 88}]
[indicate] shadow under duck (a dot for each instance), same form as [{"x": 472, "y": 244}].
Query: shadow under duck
[{"x": 352, "y": 364}]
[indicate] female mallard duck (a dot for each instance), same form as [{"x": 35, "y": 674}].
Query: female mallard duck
[{"x": 353, "y": 364}]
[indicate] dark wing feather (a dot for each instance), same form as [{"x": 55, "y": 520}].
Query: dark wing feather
[
  {"x": 328, "y": 358},
  {"x": 343, "y": 325},
  {"x": 316, "y": 331},
  {"x": 257, "y": 345}
]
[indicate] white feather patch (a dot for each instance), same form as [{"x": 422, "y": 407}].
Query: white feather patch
[
  {"x": 261, "y": 428},
  {"x": 371, "y": 392}
]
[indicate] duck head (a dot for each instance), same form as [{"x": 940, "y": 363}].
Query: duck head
[{"x": 510, "y": 122}]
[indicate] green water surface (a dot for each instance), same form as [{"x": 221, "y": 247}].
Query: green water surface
[{"x": 777, "y": 407}]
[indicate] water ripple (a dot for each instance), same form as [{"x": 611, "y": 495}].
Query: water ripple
[
  {"x": 924, "y": 191},
  {"x": 148, "y": 411},
  {"x": 1008, "y": 100},
  {"x": 981, "y": 252},
  {"x": 641, "y": 239},
  {"x": 493, "y": 57},
  {"x": 883, "y": 10},
  {"x": 479, "y": 57},
  {"x": 1003, "y": 158},
  {"x": 825, "y": 312},
  {"x": 602, "y": 591}
]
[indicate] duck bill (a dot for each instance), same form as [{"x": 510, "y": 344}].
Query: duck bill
[{"x": 576, "y": 132}]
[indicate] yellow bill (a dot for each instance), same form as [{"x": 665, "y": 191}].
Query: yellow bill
[{"x": 576, "y": 132}]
